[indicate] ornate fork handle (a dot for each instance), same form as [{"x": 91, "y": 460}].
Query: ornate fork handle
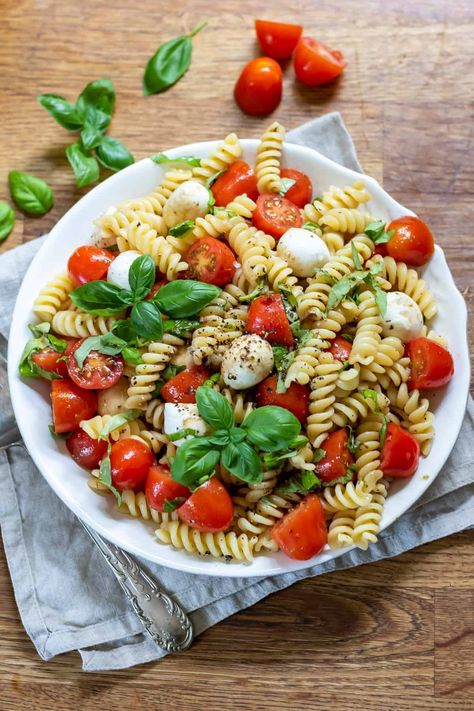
[{"x": 164, "y": 620}]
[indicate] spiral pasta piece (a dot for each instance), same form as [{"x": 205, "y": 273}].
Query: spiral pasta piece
[
  {"x": 252, "y": 246},
  {"x": 223, "y": 320},
  {"x": 368, "y": 452},
  {"x": 351, "y": 408},
  {"x": 135, "y": 504},
  {"x": 395, "y": 374},
  {"x": 402, "y": 278},
  {"x": 303, "y": 459},
  {"x": 345, "y": 496},
  {"x": 211, "y": 225},
  {"x": 341, "y": 528},
  {"x": 267, "y": 161},
  {"x": 344, "y": 219},
  {"x": 347, "y": 381},
  {"x": 78, "y": 324},
  {"x": 254, "y": 492},
  {"x": 369, "y": 327},
  {"x": 94, "y": 426},
  {"x": 322, "y": 398},
  {"x": 306, "y": 359},
  {"x": 219, "y": 545},
  {"x": 154, "y": 414},
  {"x": 241, "y": 406},
  {"x": 226, "y": 153},
  {"x": 154, "y": 440},
  {"x": 241, "y": 206},
  {"x": 266, "y": 513},
  {"x": 418, "y": 418},
  {"x": 433, "y": 336},
  {"x": 279, "y": 272},
  {"x": 53, "y": 297},
  {"x": 349, "y": 196},
  {"x": 147, "y": 241},
  {"x": 368, "y": 517},
  {"x": 155, "y": 359},
  {"x": 389, "y": 351}
]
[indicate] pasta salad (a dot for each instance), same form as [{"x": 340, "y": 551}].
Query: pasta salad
[{"x": 241, "y": 363}]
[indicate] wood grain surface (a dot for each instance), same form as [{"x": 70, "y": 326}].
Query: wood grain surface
[{"x": 398, "y": 634}]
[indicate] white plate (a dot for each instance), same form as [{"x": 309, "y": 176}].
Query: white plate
[{"x": 31, "y": 402}]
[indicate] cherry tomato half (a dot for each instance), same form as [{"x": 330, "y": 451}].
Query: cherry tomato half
[
  {"x": 277, "y": 39},
  {"x": 302, "y": 191},
  {"x": 98, "y": 372},
  {"x": 338, "y": 458},
  {"x": 88, "y": 263},
  {"x": 209, "y": 508},
  {"x": 130, "y": 461},
  {"x": 238, "y": 179},
  {"x": 259, "y": 86},
  {"x": 340, "y": 348},
  {"x": 161, "y": 487},
  {"x": 400, "y": 453},
  {"x": 53, "y": 362},
  {"x": 295, "y": 399},
  {"x": 71, "y": 404},
  {"x": 210, "y": 261},
  {"x": 267, "y": 318},
  {"x": 87, "y": 452},
  {"x": 431, "y": 365},
  {"x": 161, "y": 281},
  {"x": 412, "y": 241},
  {"x": 302, "y": 533},
  {"x": 275, "y": 214},
  {"x": 315, "y": 63},
  {"x": 182, "y": 387}
]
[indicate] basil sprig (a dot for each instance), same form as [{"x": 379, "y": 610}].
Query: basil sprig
[
  {"x": 302, "y": 483},
  {"x": 169, "y": 63},
  {"x": 84, "y": 165},
  {"x": 343, "y": 288},
  {"x": 32, "y": 195},
  {"x": 377, "y": 232},
  {"x": 7, "y": 220},
  {"x": 113, "y": 154},
  {"x": 160, "y": 158},
  {"x": 41, "y": 339}
]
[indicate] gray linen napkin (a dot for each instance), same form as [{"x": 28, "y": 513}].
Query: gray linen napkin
[{"x": 67, "y": 597}]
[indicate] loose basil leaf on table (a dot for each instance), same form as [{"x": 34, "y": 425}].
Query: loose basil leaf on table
[
  {"x": 181, "y": 299},
  {"x": 141, "y": 276},
  {"x": 271, "y": 428},
  {"x": 62, "y": 111},
  {"x": 160, "y": 158},
  {"x": 91, "y": 136},
  {"x": 84, "y": 166},
  {"x": 146, "y": 320},
  {"x": 96, "y": 103},
  {"x": 32, "y": 195},
  {"x": 194, "y": 459},
  {"x": 7, "y": 220},
  {"x": 214, "y": 408},
  {"x": 101, "y": 298},
  {"x": 113, "y": 154},
  {"x": 243, "y": 461}
]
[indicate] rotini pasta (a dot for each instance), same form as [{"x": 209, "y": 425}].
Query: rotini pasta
[
  {"x": 225, "y": 154},
  {"x": 78, "y": 324},
  {"x": 53, "y": 297},
  {"x": 267, "y": 161}
]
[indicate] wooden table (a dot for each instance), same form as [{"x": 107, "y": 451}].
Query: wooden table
[{"x": 394, "y": 635}]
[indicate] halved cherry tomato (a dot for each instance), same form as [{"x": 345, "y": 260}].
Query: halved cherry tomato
[
  {"x": 182, "y": 387},
  {"x": 161, "y": 281},
  {"x": 161, "y": 487},
  {"x": 259, "y": 86},
  {"x": 275, "y": 214},
  {"x": 87, "y": 452},
  {"x": 302, "y": 533},
  {"x": 277, "y": 39},
  {"x": 99, "y": 371},
  {"x": 412, "y": 241},
  {"x": 302, "y": 191},
  {"x": 315, "y": 63},
  {"x": 267, "y": 318},
  {"x": 337, "y": 459},
  {"x": 340, "y": 348},
  {"x": 237, "y": 180},
  {"x": 71, "y": 404},
  {"x": 130, "y": 461},
  {"x": 295, "y": 399},
  {"x": 88, "y": 263},
  {"x": 400, "y": 453},
  {"x": 431, "y": 365},
  {"x": 210, "y": 261},
  {"x": 50, "y": 360},
  {"x": 209, "y": 508}
]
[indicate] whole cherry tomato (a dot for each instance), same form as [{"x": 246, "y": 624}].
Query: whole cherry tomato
[
  {"x": 295, "y": 399},
  {"x": 400, "y": 453},
  {"x": 267, "y": 318},
  {"x": 412, "y": 241},
  {"x": 71, "y": 404},
  {"x": 277, "y": 39},
  {"x": 88, "y": 263},
  {"x": 209, "y": 508},
  {"x": 337, "y": 459},
  {"x": 160, "y": 487},
  {"x": 182, "y": 387},
  {"x": 98, "y": 372},
  {"x": 301, "y": 192},
  {"x": 302, "y": 532},
  {"x": 259, "y": 86},
  {"x": 210, "y": 261},
  {"x": 431, "y": 365},
  {"x": 275, "y": 215},
  {"x": 130, "y": 462},
  {"x": 85, "y": 450},
  {"x": 238, "y": 179},
  {"x": 315, "y": 63}
]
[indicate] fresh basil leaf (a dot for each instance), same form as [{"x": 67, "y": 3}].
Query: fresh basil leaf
[
  {"x": 169, "y": 63},
  {"x": 160, "y": 158},
  {"x": 271, "y": 428},
  {"x": 285, "y": 363},
  {"x": 214, "y": 408},
  {"x": 101, "y": 298},
  {"x": 184, "y": 298},
  {"x": 237, "y": 435},
  {"x": 356, "y": 257},
  {"x": 347, "y": 337},
  {"x": 180, "y": 434},
  {"x": 319, "y": 454},
  {"x": 31, "y": 194},
  {"x": 194, "y": 459},
  {"x": 91, "y": 136},
  {"x": 132, "y": 356},
  {"x": 27, "y": 368},
  {"x": 273, "y": 460},
  {"x": 279, "y": 353},
  {"x": 142, "y": 276},
  {"x": 62, "y": 111},
  {"x": 343, "y": 287},
  {"x": 182, "y": 228},
  {"x": 285, "y": 185},
  {"x": 345, "y": 479},
  {"x": 7, "y": 220},
  {"x": 180, "y": 327},
  {"x": 266, "y": 501},
  {"x": 212, "y": 179},
  {"x": 311, "y": 226},
  {"x": 113, "y": 154},
  {"x": 170, "y": 506},
  {"x": 210, "y": 382},
  {"x": 262, "y": 286},
  {"x": 220, "y": 438},
  {"x": 241, "y": 460},
  {"x": 305, "y": 482},
  {"x": 58, "y": 435},
  {"x": 105, "y": 477},
  {"x": 146, "y": 320},
  {"x": 118, "y": 421},
  {"x": 123, "y": 329},
  {"x": 380, "y": 296},
  {"x": 352, "y": 442},
  {"x": 96, "y": 103},
  {"x": 39, "y": 329},
  {"x": 108, "y": 344},
  {"x": 383, "y": 431},
  {"x": 85, "y": 167},
  {"x": 212, "y": 201},
  {"x": 171, "y": 370},
  {"x": 377, "y": 232}
]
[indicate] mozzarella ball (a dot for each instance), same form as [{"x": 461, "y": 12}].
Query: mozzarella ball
[
  {"x": 403, "y": 318},
  {"x": 113, "y": 400},
  {"x": 178, "y": 416},
  {"x": 188, "y": 201},
  {"x": 304, "y": 251},
  {"x": 120, "y": 268},
  {"x": 248, "y": 361}
]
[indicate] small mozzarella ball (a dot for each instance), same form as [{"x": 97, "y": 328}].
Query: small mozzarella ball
[
  {"x": 113, "y": 400},
  {"x": 120, "y": 268},
  {"x": 188, "y": 201},
  {"x": 248, "y": 361},
  {"x": 178, "y": 416},
  {"x": 303, "y": 250},
  {"x": 403, "y": 318}
]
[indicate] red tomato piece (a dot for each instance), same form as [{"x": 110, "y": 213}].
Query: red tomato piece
[
  {"x": 267, "y": 318},
  {"x": 71, "y": 404},
  {"x": 337, "y": 459},
  {"x": 295, "y": 399},
  {"x": 209, "y": 508},
  {"x": 315, "y": 63},
  {"x": 85, "y": 451},
  {"x": 431, "y": 365},
  {"x": 161, "y": 281},
  {"x": 88, "y": 263},
  {"x": 259, "y": 86},
  {"x": 412, "y": 241},
  {"x": 238, "y": 179},
  {"x": 161, "y": 487},
  {"x": 275, "y": 214},
  {"x": 98, "y": 372},
  {"x": 210, "y": 261},
  {"x": 340, "y": 348},
  {"x": 130, "y": 461},
  {"x": 400, "y": 453},
  {"x": 302, "y": 532},
  {"x": 182, "y": 387},
  {"x": 50, "y": 360},
  {"x": 277, "y": 39},
  {"x": 302, "y": 191}
]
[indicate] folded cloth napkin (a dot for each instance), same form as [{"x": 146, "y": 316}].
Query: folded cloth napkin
[{"x": 67, "y": 597}]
